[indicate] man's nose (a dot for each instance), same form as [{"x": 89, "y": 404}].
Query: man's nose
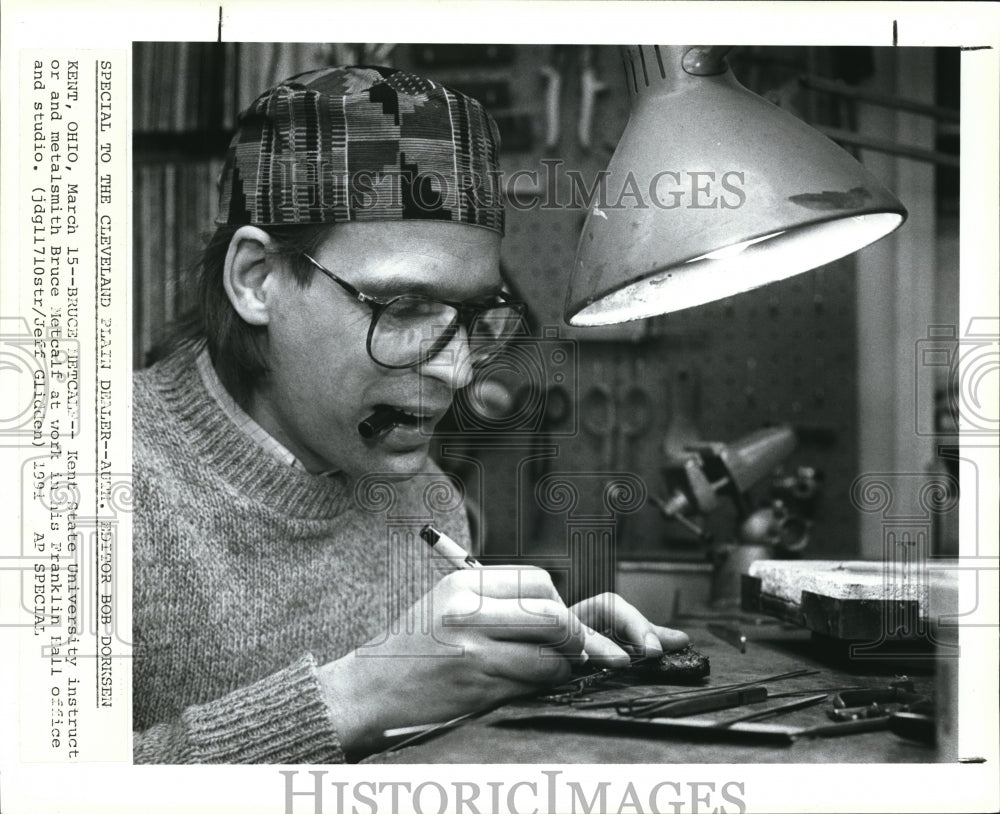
[{"x": 453, "y": 364}]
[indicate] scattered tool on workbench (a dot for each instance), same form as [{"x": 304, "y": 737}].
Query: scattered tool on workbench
[
  {"x": 914, "y": 726},
  {"x": 850, "y": 705},
  {"x": 694, "y": 704},
  {"x": 729, "y": 634},
  {"x": 896, "y": 707},
  {"x": 774, "y": 712},
  {"x": 762, "y": 734},
  {"x": 847, "y": 728},
  {"x": 630, "y": 705},
  {"x": 412, "y": 735},
  {"x": 577, "y": 688},
  {"x": 828, "y": 690},
  {"x": 636, "y": 705},
  {"x": 419, "y": 732}
]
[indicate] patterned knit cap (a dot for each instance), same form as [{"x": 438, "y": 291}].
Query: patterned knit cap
[{"x": 362, "y": 144}]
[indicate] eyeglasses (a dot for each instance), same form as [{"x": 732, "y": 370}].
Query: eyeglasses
[{"x": 410, "y": 329}]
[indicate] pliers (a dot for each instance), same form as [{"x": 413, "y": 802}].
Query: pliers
[
  {"x": 851, "y": 705},
  {"x": 897, "y": 708}
]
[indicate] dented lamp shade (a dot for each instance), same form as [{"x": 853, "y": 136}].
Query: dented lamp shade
[{"x": 712, "y": 191}]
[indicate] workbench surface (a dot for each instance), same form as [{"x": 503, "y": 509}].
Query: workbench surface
[{"x": 772, "y": 649}]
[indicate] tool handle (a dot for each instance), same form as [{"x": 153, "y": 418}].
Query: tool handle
[
  {"x": 774, "y": 712},
  {"x": 553, "y": 90},
  {"x": 914, "y": 726},
  {"x": 710, "y": 703},
  {"x": 847, "y": 728},
  {"x": 590, "y": 86}
]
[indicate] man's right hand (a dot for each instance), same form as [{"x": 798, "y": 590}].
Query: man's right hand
[{"x": 480, "y": 637}]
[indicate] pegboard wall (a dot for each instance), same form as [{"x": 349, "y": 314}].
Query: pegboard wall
[{"x": 782, "y": 354}]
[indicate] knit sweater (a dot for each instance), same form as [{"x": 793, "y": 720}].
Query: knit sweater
[{"x": 248, "y": 573}]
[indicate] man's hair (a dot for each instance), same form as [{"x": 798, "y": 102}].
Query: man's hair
[{"x": 235, "y": 346}]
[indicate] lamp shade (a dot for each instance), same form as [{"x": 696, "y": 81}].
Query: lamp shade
[{"x": 711, "y": 191}]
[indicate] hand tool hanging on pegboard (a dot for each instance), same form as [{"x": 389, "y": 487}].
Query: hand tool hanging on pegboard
[
  {"x": 552, "y": 74},
  {"x": 617, "y": 415},
  {"x": 684, "y": 406},
  {"x": 590, "y": 88},
  {"x": 556, "y": 74},
  {"x": 634, "y": 413},
  {"x": 598, "y": 415}
]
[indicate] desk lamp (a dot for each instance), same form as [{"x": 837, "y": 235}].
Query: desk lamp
[{"x": 722, "y": 192}]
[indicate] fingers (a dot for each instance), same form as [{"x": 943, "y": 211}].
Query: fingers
[
  {"x": 602, "y": 652},
  {"x": 671, "y": 639},
  {"x": 463, "y": 596},
  {"x": 506, "y": 582},
  {"x": 628, "y": 626},
  {"x": 542, "y": 622},
  {"x": 623, "y": 621},
  {"x": 520, "y": 604},
  {"x": 537, "y": 621}
]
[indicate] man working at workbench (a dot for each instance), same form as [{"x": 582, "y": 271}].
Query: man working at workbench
[{"x": 277, "y": 616}]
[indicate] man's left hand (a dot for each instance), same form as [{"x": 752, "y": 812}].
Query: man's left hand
[{"x": 611, "y": 615}]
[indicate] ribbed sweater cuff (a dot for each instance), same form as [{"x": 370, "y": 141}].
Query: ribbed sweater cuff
[{"x": 280, "y": 719}]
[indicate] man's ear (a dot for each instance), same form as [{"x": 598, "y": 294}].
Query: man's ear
[{"x": 246, "y": 272}]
